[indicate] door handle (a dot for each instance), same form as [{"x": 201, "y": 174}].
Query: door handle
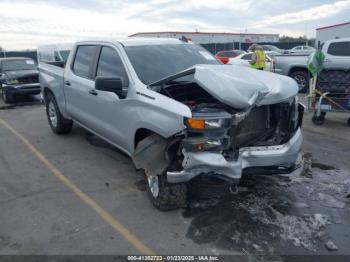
[
  {"x": 67, "y": 83},
  {"x": 328, "y": 60},
  {"x": 93, "y": 92}
]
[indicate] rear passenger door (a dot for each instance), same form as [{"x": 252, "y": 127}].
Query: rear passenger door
[{"x": 79, "y": 82}]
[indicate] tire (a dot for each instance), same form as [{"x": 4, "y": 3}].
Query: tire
[
  {"x": 166, "y": 196},
  {"x": 318, "y": 120},
  {"x": 302, "y": 79},
  {"x": 348, "y": 122},
  {"x": 6, "y": 97},
  {"x": 58, "y": 123}
]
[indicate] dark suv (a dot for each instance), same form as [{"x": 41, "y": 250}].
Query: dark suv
[{"x": 18, "y": 76}]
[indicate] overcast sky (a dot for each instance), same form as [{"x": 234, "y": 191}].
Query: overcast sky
[{"x": 27, "y": 23}]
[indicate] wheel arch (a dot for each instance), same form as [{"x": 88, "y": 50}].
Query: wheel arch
[{"x": 142, "y": 133}]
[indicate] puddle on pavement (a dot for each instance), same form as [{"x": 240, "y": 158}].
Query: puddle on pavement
[{"x": 273, "y": 214}]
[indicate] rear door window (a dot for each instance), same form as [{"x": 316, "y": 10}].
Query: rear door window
[
  {"x": 83, "y": 61},
  {"x": 339, "y": 49},
  {"x": 111, "y": 65}
]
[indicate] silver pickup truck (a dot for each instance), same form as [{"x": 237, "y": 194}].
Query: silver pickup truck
[
  {"x": 337, "y": 57},
  {"x": 176, "y": 111}
]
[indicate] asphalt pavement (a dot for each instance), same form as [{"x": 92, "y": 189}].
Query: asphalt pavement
[{"x": 76, "y": 194}]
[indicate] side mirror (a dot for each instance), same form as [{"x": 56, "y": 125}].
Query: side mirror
[{"x": 110, "y": 84}]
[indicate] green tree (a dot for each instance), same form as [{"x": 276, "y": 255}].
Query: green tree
[{"x": 290, "y": 39}]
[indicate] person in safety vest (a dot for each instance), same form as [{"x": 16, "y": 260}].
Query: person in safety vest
[{"x": 258, "y": 57}]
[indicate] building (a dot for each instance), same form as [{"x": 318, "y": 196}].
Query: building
[
  {"x": 207, "y": 37},
  {"x": 332, "y": 32}
]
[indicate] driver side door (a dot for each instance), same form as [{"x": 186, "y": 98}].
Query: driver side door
[{"x": 108, "y": 109}]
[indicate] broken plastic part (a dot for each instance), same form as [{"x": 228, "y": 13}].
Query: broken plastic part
[{"x": 150, "y": 155}]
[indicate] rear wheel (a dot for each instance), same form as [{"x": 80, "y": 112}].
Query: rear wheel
[
  {"x": 302, "y": 79},
  {"x": 166, "y": 196},
  {"x": 58, "y": 123},
  {"x": 348, "y": 122}
]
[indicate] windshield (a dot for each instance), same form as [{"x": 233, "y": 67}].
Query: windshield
[
  {"x": 20, "y": 64},
  {"x": 155, "y": 62}
]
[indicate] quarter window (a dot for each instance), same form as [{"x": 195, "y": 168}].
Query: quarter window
[
  {"x": 339, "y": 49},
  {"x": 111, "y": 65},
  {"x": 83, "y": 60}
]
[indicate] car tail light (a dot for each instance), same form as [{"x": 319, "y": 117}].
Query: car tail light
[{"x": 224, "y": 60}]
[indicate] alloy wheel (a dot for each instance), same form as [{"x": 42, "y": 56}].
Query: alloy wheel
[
  {"x": 52, "y": 114},
  {"x": 153, "y": 184}
]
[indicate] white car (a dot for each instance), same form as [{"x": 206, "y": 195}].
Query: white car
[
  {"x": 301, "y": 50},
  {"x": 243, "y": 60}
]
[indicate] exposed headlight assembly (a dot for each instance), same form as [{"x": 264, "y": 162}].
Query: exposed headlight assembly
[
  {"x": 12, "y": 81},
  {"x": 208, "y": 123},
  {"x": 208, "y": 133}
]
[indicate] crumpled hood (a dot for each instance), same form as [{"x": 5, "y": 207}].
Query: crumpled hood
[
  {"x": 243, "y": 87},
  {"x": 18, "y": 74}
]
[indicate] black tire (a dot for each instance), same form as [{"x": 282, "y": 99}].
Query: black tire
[
  {"x": 58, "y": 123},
  {"x": 348, "y": 122},
  {"x": 302, "y": 79},
  {"x": 170, "y": 196},
  {"x": 7, "y": 97},
  {"x": 318, "y": 120}
]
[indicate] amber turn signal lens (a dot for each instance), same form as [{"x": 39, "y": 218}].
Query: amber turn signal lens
[
  {"x": 199, "y": 147},
  {"x": 196, "y": 123}
]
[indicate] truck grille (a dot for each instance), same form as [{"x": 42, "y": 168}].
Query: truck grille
[
  {"x": 264, "y": 126},
  {"x": 29, "y": 79}
]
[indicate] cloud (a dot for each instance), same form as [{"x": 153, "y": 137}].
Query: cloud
[
  {"x": 314, "y": 13},
  {"x": 28, "y": 23}
]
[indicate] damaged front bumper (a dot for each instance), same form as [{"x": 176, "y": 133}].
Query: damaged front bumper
[{"x": 278, "y": 159}]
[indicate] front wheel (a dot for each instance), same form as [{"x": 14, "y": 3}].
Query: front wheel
[
  {"x": 166, "y": 196},
  {"x": 58, "y": 123},
  {"x": 302, "y": 79},
  {"x": 7, "y": 97}
]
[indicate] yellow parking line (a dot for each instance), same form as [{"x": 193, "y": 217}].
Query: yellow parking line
[{"x": 131, "y": 238}]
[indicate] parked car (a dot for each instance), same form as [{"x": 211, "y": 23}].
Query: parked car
[
  {"x": 224, "y": 56},
  {"x": 18, "y": 76},
  {"x": 272, "y": 48},
  {"x": 243, "y": 60},
  {"x": 176, "y": 111},
  {"x": 337, "y": 57},
  {"x": 301, "y": 50}
]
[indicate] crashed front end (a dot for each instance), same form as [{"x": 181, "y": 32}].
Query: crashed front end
[
  {"x": 238, "y": 127},
  {"x": 229, "y": 145}
]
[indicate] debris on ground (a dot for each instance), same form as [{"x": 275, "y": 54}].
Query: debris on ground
[
  {"x": 307, "y": 159},
  {"x": 272, "y": 213},
  {"x": 330, "y": 245},
  {"x": 322, "y": 166}
]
